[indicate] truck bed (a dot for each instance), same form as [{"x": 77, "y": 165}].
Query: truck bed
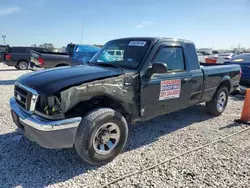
[
  {"x": 49, "y": 59},
  {"x": 214, "y": 75}
]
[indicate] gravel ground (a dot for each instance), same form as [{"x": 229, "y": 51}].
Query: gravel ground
[{"x": 225, "y": 164}]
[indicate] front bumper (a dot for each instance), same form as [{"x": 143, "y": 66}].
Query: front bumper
[{"x": 46, "y": 133}]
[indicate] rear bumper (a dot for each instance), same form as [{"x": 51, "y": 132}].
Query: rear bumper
[{"x": 46, "y": 133}]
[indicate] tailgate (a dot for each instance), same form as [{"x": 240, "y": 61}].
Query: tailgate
[{"x": 35, "y": 57}]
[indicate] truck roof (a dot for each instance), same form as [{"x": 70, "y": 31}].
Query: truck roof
[{"x": 156, "y": 38}]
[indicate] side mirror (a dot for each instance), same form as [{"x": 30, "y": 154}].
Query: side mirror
[{"x": 159, "y": 68}]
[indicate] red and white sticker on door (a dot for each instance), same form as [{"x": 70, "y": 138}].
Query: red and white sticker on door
[{"x": 170, "y": 89}]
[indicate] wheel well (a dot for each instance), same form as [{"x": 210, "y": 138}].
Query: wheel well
[
  {"x": 82, "y": 108},
  {"x": 22, "y": 60},
  {"x": 61, "y": 65},
  {"x": 225, "y": 83}
]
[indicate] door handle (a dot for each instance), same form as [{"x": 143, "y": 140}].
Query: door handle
[{"x": 187, "y": 79}]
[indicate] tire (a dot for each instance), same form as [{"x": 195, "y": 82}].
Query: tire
[
  {"x": 93, "y": 124},
  {"x": 219, "y": 102},
  {"x": 22, "y": 65},
  {"x": 17, "y": 67}
]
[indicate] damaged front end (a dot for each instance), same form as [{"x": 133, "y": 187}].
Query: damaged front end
[
  {"x": 120, "y": 93},
  {"x": 50, "y": 107}
]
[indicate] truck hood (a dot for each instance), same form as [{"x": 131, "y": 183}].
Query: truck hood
[{"x": 47, "y": 82}]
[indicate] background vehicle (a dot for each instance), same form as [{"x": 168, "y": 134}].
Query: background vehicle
[
  {"x": 201, "y": 58},
  {"x": 49, "y": 60},
  {"x": 221, "y": 58},
  {"x": 19, "y": 56},
  {"x": 74, "y": 55},
  {"x": 90, "y": 107},
  {"x": 117, "y": 53},
  {"x": 3, "y": 49},
  {"x": 244, "y": 61}
]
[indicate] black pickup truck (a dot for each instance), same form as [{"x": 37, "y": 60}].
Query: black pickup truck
[
  {"x": 76, "y": 54},
  {"x": 90, "y": 106},
  {"x": 47, "y": 60},
  {"x": 19, "y": 56}
]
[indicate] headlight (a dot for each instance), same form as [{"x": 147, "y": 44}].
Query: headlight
[{"x": 50, "y": 105}]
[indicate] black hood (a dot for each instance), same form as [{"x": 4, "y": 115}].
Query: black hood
[{"x": 49, "y": 81}]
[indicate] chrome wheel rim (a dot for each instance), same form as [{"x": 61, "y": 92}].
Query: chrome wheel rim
[
  {"x": 221, "y": 102},
  {"x": 106, "y": 138},
  {"x": 23, "y": 65}
]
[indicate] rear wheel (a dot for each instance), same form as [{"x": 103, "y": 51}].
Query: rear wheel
[
  {"x": 22, "y": 65},
  {"x": 219, "y": 102},
  {"x": 101, "y": 136}
]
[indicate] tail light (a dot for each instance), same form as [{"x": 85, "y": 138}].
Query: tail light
[
  {"x": 7, "y": 56},
  {"x": 41, "y": 61},
  {"x": 210, "y": 60}
]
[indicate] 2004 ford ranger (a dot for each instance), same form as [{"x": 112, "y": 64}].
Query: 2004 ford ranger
[{"x": 90, "y": 106}]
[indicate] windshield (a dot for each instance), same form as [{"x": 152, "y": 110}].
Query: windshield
[{"x": 127, "y": 53}]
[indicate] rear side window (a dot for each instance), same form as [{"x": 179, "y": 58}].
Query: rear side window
[
  {"x": 19, "y": 50},
  {"x": 191, "y": 57},
  {"x": 172, "y": 57}
]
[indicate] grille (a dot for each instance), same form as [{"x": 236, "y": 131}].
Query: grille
[{"x": 23, "y": 97}]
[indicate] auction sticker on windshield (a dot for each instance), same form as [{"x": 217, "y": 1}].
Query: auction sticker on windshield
[
  {"x": 137, "y": 43},
  {"x": 170, "y": 89}
]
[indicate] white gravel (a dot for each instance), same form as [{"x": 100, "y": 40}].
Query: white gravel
[{"x": 225, "y": 164}]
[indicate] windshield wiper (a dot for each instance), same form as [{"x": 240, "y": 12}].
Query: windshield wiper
[{"x": 109, "y": 65}]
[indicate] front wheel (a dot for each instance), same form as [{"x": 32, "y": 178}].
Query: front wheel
[
  {"x": 101, "y": 136},
  {"x": 219, "y": 102}
]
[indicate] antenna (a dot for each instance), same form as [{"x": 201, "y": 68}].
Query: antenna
[{"x": 82, "y": 32}]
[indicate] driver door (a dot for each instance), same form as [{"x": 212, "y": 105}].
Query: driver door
[{"x": 166, "y": 92}]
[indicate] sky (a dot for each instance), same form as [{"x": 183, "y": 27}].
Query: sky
[{"x": 209, "y": 23}]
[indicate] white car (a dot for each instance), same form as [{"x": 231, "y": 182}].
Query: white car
[
  {"x": 117, "y": 53},
  {"x": 224, "y": 57},
  {"x": 201, "y": 58}
]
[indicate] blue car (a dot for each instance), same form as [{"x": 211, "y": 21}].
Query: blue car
[{"x": 244, "y": 61}]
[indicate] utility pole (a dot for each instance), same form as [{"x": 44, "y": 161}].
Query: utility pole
[
  {"x": 4, "y": 36},
  {"x": 82, "y": 32}
]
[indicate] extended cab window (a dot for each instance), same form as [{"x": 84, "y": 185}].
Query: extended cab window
[{"x": 172, "y": 57}]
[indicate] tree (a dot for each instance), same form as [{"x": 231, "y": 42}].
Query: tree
[
  {"x": 48, "y": 46},
  {"x": 33, "y": 45}
]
